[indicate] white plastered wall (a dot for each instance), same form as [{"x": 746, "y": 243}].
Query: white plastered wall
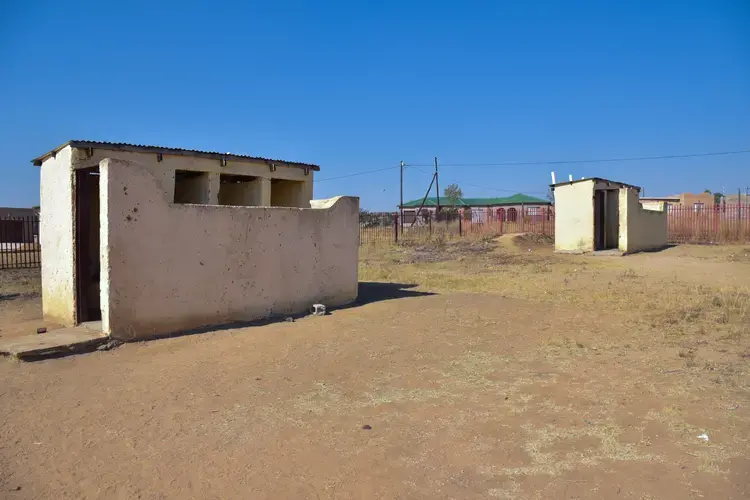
[
  {"x": 574, "y": 217},
  {"x": 169, "y": 267},
  {"x": 164, "y": 171},
  {"x": 642, "y": 227},
  {"x": 56, "y": 236}
]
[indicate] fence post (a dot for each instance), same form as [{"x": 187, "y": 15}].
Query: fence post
[
  {"x": 460, "y": 219},
  {"x": 739, "y": 213},
  {"x": 430, "y": 223},
  {"x": 395, "y": 227}
]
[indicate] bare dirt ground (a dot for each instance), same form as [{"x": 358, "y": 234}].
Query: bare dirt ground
[{"x": 496, "y": 370}]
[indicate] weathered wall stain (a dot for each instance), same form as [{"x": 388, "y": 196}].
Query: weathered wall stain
[{"x": 177, "y": 266}]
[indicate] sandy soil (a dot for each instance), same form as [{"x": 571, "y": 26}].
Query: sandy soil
[{"x": 540, "y": 386}]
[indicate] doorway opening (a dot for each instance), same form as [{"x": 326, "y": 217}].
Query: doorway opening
[
  {"x": 88, "y": 307},
  {"x": 606, "y": 219}
]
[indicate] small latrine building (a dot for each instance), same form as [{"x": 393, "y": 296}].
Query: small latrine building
[
  {"x": 598, "y": 214},
  {"x": 153, "y": 240}
]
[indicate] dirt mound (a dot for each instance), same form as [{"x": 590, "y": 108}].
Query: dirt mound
[
  {"x": 440, "y": 250},
  {"x": 533, "y": 240}
]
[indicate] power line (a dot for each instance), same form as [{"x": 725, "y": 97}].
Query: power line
[
  {"x": 482, "y": 187},
  {"x": 357, "y": 173},
  {"x": 601, "y": 160},
  {"x": 542, "y": 163}
]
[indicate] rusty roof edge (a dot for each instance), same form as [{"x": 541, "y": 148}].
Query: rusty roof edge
[
  {"x": 595, "y": 179},
  {"x": 137, "y": 148}
]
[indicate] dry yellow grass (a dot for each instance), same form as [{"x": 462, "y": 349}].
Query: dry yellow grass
[{"x": 661, "y": 298}]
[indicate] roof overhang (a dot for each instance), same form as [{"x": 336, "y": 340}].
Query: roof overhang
[
  {"x": 137, "y": 148},
  {"x": 595, "y": 179}
]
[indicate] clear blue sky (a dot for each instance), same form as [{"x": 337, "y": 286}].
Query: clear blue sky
[{"x": 356, "y": 87}]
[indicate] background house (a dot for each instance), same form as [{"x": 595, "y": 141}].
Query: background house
[
  {"x": 479, "y": 210},
  {"x": 18, "y": 225},
  {"x": 696, "y": 201}
]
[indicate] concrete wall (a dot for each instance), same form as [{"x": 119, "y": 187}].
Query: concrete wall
[
  {"x": 169, "y": 267},
  {"x": 641, "y": 228},
  {"x": 574, "y": 217},
  {"x": 56, "y": 230},
  {"x": 164, "y": 171}
]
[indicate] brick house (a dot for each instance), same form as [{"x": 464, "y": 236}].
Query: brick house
[{"x": 696, "y": 201}]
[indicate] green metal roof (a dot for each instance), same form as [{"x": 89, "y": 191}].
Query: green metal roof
[{"x": 516, "y": 199}]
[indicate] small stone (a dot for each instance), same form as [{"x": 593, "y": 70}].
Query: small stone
[
  {"x": 366, "y": 427},
  {"x": 289, "y": 319},
  {"x": 41, "y": 330},
  {"x": 318, "y": 310}
]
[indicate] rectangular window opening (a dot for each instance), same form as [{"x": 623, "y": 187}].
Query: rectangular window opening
[
  {"x": 286, "y": 193},
  {"x": 191, "y": 187},
  {"x": 240, "y": 190}
]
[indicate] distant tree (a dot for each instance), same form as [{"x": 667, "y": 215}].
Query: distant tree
[
  {"x": 453, "y": 194},
  {"x": 707, "y": 191},
  {"x": 717, "y": 198},
  {"x": 550, "y": 196},
  {"x": 369, "y": 219}
]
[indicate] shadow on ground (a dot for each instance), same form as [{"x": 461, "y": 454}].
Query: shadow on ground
[
  {"x": 368, "y": 292},
  {"x": 371, "y": 291}
]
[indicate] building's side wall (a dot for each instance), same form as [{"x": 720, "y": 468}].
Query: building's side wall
[
  {"x": 574, "y": 217},
  {"x": 168, "y": 267},
  {"x": 641, "y": 228},
  {"x": 56, "y": 238},
  {"x": 689, "y": 199},
  {"x": 653, "y": 204},
  {"x": 164, "y": 170}
]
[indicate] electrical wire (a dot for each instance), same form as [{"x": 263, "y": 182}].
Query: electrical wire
[
  {"x": 514, "y": 191},
  {"x": 601, "y": 160},
  {"x": 540, "y": 163},
  {"x": 357, "y": 173}
]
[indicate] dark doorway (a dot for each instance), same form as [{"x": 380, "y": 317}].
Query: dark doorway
[
  {"x": 606, "y": 220},
  {"x": 87, "y": 245},
  {"x": 599, "y": 229}
]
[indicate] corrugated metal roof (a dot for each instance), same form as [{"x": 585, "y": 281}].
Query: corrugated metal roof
[
  {"x": 596, "y": 179},
  {"x": 18, "y": 212},
  {"x": 516, "y": 199},
  {"x": 139, "y": 148}
]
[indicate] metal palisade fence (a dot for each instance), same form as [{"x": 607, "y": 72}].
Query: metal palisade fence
[
  {"x": 711, "y": 225},
  {"x": 19, "y": 242},
  {"x": 388, "y": 227}
]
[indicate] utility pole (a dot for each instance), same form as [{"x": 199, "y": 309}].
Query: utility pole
[
  {"x": 401, "y": 206},
  {"x": 437, "y": 190}
]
